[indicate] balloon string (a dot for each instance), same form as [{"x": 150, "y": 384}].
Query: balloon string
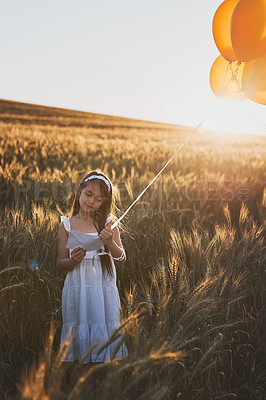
[
  {"x": 135, "y": 201},
  {"x": 228, "y": 65},
  {"x": 234, "y": 76}
]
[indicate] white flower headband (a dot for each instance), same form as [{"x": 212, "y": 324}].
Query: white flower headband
[{"x": 99, "y": 177}]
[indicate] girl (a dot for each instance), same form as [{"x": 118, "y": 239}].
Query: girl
[{"x": 90, "y": 299}]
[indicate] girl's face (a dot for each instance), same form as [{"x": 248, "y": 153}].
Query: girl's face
[{"x": 90, "y": 198}]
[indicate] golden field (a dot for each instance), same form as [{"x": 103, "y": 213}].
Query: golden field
[{"x": 193, "y": 286}]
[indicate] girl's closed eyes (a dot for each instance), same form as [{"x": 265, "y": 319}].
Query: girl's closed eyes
[{"x": 97, "y": 199}]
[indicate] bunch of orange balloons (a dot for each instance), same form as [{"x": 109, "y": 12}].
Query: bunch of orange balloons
[{"x": 239, "y": 31}]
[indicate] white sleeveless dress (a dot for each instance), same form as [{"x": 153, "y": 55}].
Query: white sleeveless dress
[{"x": 90, "y": 308}]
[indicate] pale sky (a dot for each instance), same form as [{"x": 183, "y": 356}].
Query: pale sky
[{"x": 143, "y": 59}]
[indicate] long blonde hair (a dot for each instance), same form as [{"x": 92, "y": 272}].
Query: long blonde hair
[{"x": 101, "y": 214}]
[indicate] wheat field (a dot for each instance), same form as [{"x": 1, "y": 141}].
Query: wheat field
[{"x": 193, "y": 287}]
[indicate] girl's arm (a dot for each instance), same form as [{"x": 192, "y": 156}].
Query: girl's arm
[
  {"x": 64, "y": 262},
  {"x": 117, "y": 251},
  {"x": 113, "y": 242}
]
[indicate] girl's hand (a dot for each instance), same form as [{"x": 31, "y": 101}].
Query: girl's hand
[
  {"x": 107, "y": 235},
  {"x": 78, "y": 254}
]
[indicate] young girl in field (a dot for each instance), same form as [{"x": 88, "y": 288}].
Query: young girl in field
[{"x": 90, "y": 299}]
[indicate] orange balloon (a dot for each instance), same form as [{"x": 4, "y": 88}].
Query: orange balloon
[
  {"x": 248, "y": 29},
  {"x": 221, "y": 29},
  {"x": 256, "y": 84},
  {"x": 225, "y": 78},
  {"x": 246, "y": 71}
]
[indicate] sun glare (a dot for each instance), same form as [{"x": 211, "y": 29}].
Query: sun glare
[{"x": 229, "y": 116}]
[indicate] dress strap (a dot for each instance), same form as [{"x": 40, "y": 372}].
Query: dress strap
[{"x": 66, "y": 223}]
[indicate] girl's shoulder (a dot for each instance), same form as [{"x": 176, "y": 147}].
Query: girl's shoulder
[
  {"x": 66, "y": 222},
  {"x": 63, "y": 218}
]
